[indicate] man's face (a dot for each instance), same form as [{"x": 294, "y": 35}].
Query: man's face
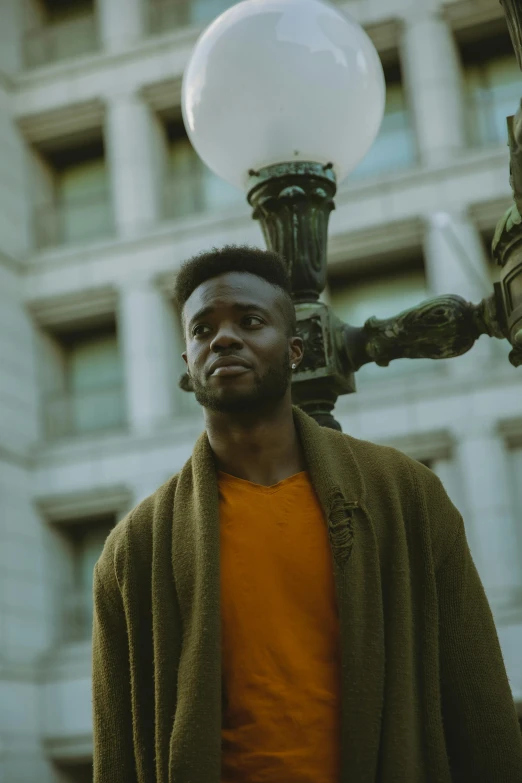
[{"x": 238, "y": 315}]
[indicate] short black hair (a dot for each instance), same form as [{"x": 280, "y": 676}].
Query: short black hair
[{"x": 268, "y": 265}]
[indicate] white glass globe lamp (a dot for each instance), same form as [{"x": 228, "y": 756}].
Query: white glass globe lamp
[{"x": 280, "y": 81}]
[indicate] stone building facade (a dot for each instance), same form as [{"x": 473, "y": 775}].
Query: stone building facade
[{"x": 103, "y": 198}]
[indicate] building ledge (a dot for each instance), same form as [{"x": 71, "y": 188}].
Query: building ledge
[
  {"x": 178, "y": 429},
  {"x": 468, "y": 13},
  {"x": 180, "y": 432},
  {"x": 92, "y": 502},
  {"x": 169, "y": 50},
  {"x": 103, "y": 59},
  {"x": 389, "y": 207},
  {"x": 77, "y": 749}
]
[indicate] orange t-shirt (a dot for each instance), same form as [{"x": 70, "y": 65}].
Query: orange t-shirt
[{"x": 280, "y": 635}]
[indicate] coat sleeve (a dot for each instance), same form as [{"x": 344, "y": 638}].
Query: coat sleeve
[
  {"x": 113, "y": 748},
  {"x": 483, "y": 736}
]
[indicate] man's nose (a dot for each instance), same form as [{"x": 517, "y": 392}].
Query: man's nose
[{"x": 225, "y": 337}]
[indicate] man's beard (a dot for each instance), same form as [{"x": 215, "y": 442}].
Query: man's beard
[{"x": 264, "y": 393}]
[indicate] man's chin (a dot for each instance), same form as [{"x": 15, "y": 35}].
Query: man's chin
[
  {"x": 231, "y": 403},
  {"x": 236, "y": 398}
]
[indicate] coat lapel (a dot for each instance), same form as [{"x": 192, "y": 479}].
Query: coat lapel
[
  {"x": 195, "y": 743},
  {"x": 338, "y": 483}
]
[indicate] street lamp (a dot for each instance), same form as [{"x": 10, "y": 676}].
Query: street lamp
[
  {"x": 283, "y": 98},
  {"x": 507, "y": 243}
]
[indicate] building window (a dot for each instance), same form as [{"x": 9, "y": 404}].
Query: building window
[
  {"x": 72, "y": 198},
  {"x": 356, "y": 294},
  {"x": 83, "y": 540},
  {"x": 493, "y": 84},
  {"x": 172, "y": 14},
  {"x": 83, "y": 383},
  {"x": 58, "y": 30},
  {"x": 191, "y": 187},
  {"x": 395, "y": 146}
]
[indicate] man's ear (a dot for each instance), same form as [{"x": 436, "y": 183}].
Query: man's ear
[{"x": 296, "y": 349}]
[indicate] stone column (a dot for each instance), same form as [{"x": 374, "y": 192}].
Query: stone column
[
  {"x": 147, "y": 355},
  {"x": 25, "y": 584},
  {"x": 132, "y": 163},
  {"x": 448, "y": 470},
  {"x": 433, "y": 79},
  {"x": 489, "y": 512},
  {"x": 121, "y": 22},
  {"x": 11, "y": 38},
  {"x": 456, "y": 263}
]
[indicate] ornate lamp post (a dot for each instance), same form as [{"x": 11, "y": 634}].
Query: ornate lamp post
[
  {"x": 283, "y": 98},
  {"x": 507, "y": 243}
]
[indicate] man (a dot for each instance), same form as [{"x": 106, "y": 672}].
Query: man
[{"x": 295, "y": 605}]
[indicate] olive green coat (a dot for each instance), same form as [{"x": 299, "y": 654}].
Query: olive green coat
[{"x": 425, "y": 696}]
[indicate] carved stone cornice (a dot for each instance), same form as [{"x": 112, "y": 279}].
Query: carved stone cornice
[
  {"x": 164, "y": 97},
  {"x": 89, "y": 306},
  {"x": 462, "y": 14},
  {"x": 423, "y": 446},
  {"x": 78, "y": 505},
  {"x": 76, "y": 118}
]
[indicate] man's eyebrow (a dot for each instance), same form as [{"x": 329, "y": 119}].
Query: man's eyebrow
[{"x": 239, "y": 306}]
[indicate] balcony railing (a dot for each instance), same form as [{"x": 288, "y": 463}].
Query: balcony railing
[
  {"x": 171, "y": 14},
  {"x": 86, "y": 412},
  {"x": 82, "y": 220},
  {"x": 61, "y": 41}
]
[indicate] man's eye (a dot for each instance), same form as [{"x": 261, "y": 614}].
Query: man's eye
[{"x": 197, "y": 329}]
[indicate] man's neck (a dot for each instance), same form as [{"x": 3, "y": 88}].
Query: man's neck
[{"x": 264, "y": 451}]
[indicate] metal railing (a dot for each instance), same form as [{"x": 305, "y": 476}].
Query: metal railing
[
  {"x": 80, "y": 220},
  {"x": 61, "y": 41},
  {"x": 165, "y": 15},
  {"x": 86, "y": 412}
]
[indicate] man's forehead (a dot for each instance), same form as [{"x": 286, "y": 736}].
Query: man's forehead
[{"x": 231, "y": 288}]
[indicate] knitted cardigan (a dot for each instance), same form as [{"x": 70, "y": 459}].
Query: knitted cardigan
[{"x": 425, "y": 696}]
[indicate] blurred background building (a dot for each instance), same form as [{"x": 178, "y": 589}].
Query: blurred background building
[{"x": 102, "y": 198}]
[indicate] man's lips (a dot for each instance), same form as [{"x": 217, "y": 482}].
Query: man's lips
[
  {"x": 231, "y": 369},
  {"x": 228, "y": 361}
]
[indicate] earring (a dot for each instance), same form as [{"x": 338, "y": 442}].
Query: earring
[{"x": 294, "y": 366}]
